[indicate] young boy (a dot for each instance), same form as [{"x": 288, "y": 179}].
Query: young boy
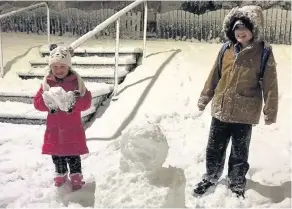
[
  {"x": 237, "y": 98},
  {"x": 65, "y": 137}
]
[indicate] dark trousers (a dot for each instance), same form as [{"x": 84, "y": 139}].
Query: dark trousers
[
  {"x": 219, "y": 137},
  {"x": 61, "y": 162}
]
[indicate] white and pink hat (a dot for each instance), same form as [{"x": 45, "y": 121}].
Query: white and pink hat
[{"x": 61, "y": 55}]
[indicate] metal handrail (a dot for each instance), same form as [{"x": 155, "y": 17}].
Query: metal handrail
[
  {"x": 104, "y": 24},
  {"x": 15, "y": 12}
]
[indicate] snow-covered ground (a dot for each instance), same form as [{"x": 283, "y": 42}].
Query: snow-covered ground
[{"x": 147, "y": 149}]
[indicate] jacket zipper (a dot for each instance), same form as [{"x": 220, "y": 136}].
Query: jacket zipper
[{"x": 232, "y": 69}]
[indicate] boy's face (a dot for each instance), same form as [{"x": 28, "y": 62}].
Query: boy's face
[
  {"x": 59, "y": 70},
  {"x": 242, "y": 34}
]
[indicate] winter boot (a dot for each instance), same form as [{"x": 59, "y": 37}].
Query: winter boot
[
  {"x": 60, "y": 179},
  {"x": 76, "y": 181},
  {"x": 203, "y": 186},
  {"x": 238, "y": 191}
]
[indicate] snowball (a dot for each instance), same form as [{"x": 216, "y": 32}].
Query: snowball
[
  {"x": 61, "y": 98},
  {"x": 143, "y": 148}
]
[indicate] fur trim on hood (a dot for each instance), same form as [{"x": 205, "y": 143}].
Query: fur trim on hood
[{"x": 251, "y": 15}]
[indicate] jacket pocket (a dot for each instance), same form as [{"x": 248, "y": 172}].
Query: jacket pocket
[
  {"x": 247, "y": 108},
  {"x": 217, "y": 103}
]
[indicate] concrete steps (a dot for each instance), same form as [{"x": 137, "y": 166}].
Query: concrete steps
[
  {"x": 16, "y": 105},
  {"x": 17, "y": 94},
  {"x": 99, "y": 75},
  {"x": 20, "y": 113},
  {"x": 97, "y": 51},
  {"x": 90, "y": 61},
  {"x": 95, "y": 65}
]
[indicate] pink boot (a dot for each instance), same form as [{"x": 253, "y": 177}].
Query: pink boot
[
  {"x": 60, "y": 179},
  {"x": 76, "y": 181}
]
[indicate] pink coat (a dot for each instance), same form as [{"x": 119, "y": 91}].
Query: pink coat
[{"x": 64, "y": 133}]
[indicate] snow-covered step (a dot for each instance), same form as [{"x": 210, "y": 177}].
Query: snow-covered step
[
  {"x": 91, "y": 61},
  {"x": 83, "y": 68},
  {"x": 28, "y": 99},
  {"x": 28, "y": 88},
  {"x": 98, "y": 50},
  {"x": 102, "y": 75},
  {"x": 21, "y": 113}
]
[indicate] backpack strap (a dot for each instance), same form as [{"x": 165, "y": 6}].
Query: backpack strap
[
  {"x": 264, "y": 60},
  {"x": 221, "y": 53}
]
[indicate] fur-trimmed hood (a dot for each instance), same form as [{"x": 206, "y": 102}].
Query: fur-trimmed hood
[{"x": 250, "y": 15}]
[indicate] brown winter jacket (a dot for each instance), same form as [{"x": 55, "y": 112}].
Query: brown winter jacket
[{"x": 237, "y": 95}]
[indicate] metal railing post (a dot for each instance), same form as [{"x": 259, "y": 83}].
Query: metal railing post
[
  {"x": 117, "y": 57},
  {"x": 145, "y": 28},
  {"x": 1, "y": 54},
  {"x": 48, "y": 25}
]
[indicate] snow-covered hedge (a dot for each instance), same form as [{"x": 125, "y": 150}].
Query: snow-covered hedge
[
  {"x": 71, "y": 20},
  {"x": 182, "y": 25},
  {"x": 178, "y": 24}
]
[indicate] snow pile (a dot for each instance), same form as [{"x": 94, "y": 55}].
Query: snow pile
[
  {"x": 143, "y": 148},
  {"x": 140, "y": 180},
  {"x": 169, "y": 88}
]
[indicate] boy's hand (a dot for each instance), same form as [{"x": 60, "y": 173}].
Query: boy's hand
[
  {"x": 201, "y": 106},
  {"x": 267, "y": 121}
]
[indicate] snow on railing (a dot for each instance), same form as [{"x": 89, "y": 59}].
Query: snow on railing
[
  {"x": 104, "y": 24},
  {"x": 18, "y": 11}
]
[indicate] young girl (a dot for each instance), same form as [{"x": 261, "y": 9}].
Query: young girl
[
  {"x": 64, "y": 137},
  {"x": 237, "y": 98}
]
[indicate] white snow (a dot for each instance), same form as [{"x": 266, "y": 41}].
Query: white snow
[
  {"x": 88, "y": 72},
  {"x": 101, "y": 48},
  {"x": 16, "y": 109},
  {"x": 59, "y": 98},
  {"x": 156, "y": 102},
  {"x": 143, "y": 148},
  {"x": 93, "y": 60},
  {"x": 29, "y": 88},
  {"x": 18, "y": 87}
]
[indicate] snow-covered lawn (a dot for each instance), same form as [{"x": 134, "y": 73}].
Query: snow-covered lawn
[{"x": 154, "y": 121}]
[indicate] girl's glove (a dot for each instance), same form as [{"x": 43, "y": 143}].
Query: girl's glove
[
  {"x": 49, "y": 102},
  {"x": 71, "y": 99}
]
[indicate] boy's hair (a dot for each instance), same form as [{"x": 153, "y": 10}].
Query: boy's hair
[{"x": 264, "y": 59}]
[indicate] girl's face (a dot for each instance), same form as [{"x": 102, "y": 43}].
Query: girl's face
[
  {"x": 60, "y": 70},
  {"x": 243, "y": 35}
]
